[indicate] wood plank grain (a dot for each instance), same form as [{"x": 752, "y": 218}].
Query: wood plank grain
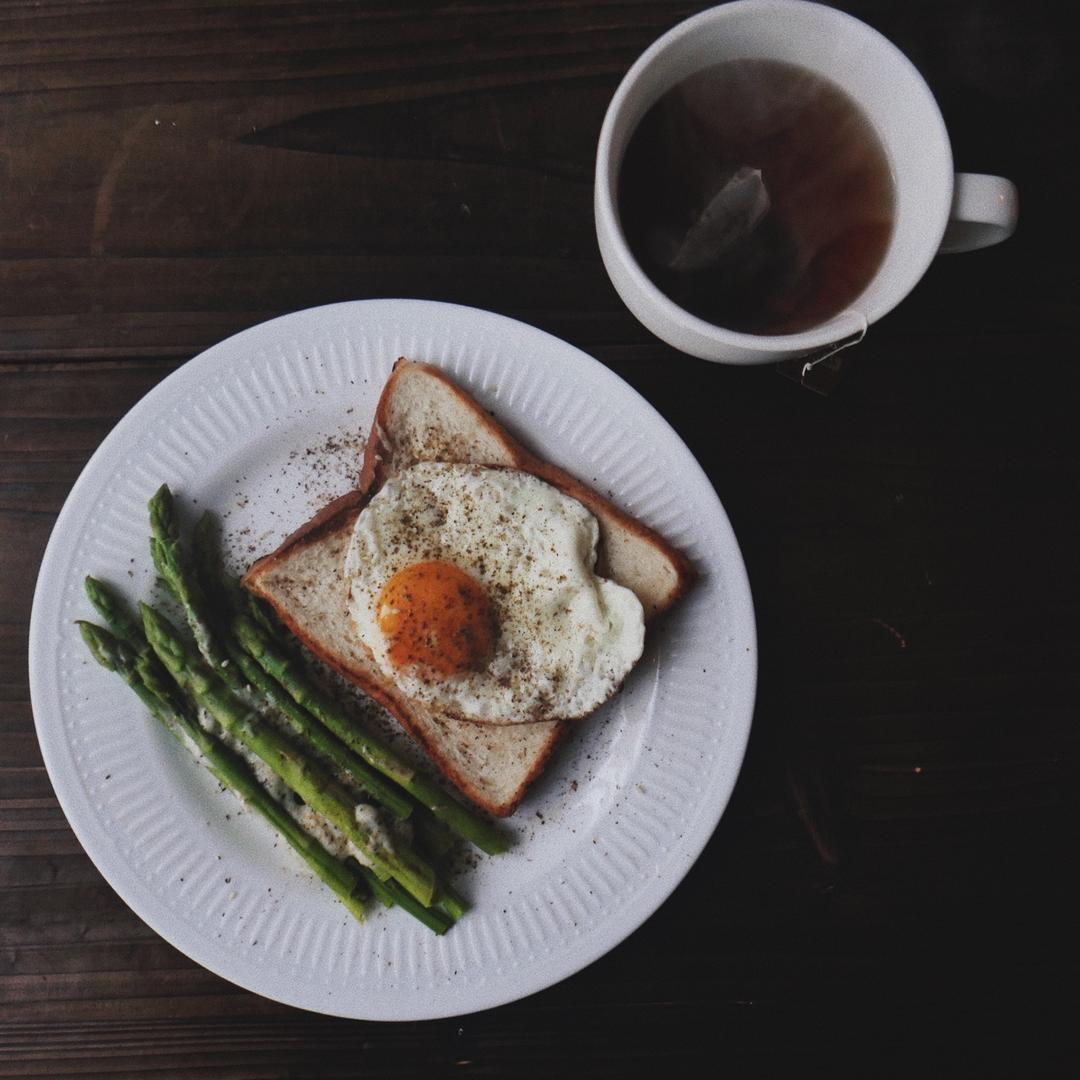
[
  {"x": 887, "y": 892},
  {"x": 345, "y": 138}
]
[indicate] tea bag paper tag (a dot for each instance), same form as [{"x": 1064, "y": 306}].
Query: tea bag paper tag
[{"x": 729, "y": 217}]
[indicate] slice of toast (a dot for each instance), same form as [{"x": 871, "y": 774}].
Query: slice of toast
[{"x": 423, "y": 416}]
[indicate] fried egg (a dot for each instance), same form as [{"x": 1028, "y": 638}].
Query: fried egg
[{"x": 474, "y": 590}]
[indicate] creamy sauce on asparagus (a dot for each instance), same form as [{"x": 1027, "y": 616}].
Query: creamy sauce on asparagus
[
  {"x": 327, "y": 833},
  {"x": 274, "y": 785},
  {"x": 369, "y": 819}
]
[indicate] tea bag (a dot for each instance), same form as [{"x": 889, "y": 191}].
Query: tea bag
[{"x": 729, "y": 217}]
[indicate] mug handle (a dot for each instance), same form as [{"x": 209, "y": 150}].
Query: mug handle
[{"x": 984, "y": 212}]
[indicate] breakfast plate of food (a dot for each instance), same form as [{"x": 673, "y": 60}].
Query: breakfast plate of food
[{"x": 393, "y": 659}]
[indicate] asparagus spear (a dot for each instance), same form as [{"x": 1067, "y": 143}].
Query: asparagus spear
[
  {"x": 312, "y": 732},
  {"x": 163, "y": 691},
  {"x": 169, "y": 560},
  {"x": 115, "y": 612},
  {"x": 124, "y": 627},
  {"x": 453, "y": 903},
  {"x": 292, "y": 676},
  {"x": 390, "y": 893},
  {"x": 308, "y": 779},
  {"x": 431, "y": 917},
  {"x": 229, "y": 769},
  {"x": 437, "y": 839},
  {"x": 236, "y": 668}
]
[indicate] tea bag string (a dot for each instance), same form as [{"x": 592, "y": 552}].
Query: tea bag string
[{"x": 826, "y": 351}]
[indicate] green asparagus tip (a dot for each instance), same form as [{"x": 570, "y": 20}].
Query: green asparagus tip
[
  {"x": 163, "y": 514},
  {"x": 99, "y": 594},
  {"x": 148, "y": 669},
  {"x": 99, "y": 648},
  {"x": 158, "y": 629},
  {"x": 114, "y": 610},
  {"x": 108, "y": 650}
]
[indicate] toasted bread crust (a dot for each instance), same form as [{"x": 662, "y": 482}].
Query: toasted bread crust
[
  {"x": 334, "y": 524},
  {"x": 378, "y": 467},
  {"x": 327, "y": 520},
  {"x": 435, "y": 752}
]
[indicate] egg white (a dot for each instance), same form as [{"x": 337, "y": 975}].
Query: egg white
[{"x": 566, "y": 637}]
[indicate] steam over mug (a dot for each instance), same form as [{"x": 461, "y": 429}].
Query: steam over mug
[{"x": 935, "y": 209}]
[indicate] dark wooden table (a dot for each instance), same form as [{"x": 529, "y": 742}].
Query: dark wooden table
[{"x": 888, "y": 891}]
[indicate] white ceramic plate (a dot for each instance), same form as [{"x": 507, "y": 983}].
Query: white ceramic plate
[{"x": 625, "y": 806}]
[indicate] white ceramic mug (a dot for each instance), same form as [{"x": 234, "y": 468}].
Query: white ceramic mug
[{"x": 936, "y": 210}]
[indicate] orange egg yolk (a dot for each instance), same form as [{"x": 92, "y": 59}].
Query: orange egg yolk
[{"x": 435, "y": 615}]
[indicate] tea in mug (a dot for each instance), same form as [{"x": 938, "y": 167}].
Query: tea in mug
[{"x": 757, "y": 196}]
